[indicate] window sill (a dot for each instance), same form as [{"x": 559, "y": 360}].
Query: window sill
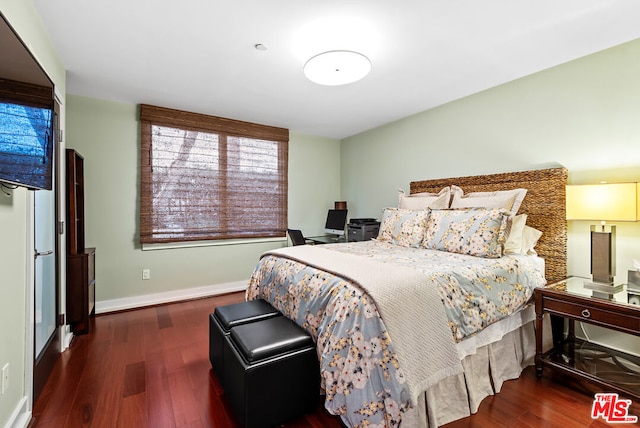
[{"x": 192, "y": 244}]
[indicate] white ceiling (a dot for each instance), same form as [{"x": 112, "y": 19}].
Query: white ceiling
[{"x": 199, "y": 55}]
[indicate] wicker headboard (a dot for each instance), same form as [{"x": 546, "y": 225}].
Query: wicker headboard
[{"x": 544, "y": 205}]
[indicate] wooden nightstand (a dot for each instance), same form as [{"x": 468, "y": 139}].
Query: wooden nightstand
[{"x": 608, "y": 369}]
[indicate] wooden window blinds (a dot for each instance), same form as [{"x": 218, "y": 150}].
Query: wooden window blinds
[{"x": 210, "y": 178}]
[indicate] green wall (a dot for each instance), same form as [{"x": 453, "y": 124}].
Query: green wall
[
  {"x": 581, "y": 114},
  {"x": 13, "y": 286},
  {"x": 584, "y": 115},
  {"x": 15, "y": 279},
  {"x": 106, "y": 134}
]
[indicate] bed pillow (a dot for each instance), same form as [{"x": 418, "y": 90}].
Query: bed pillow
[
  {"x": 403, "y": 227},
  {"x": 422, "y": 201},
  {"x": 515, "y": 229},
  {"x": 510, "y": 200},
  {"x": 475, "y": 232},
  {"x": 521, "y": 239},
  {"x": 530, "y": 237}
]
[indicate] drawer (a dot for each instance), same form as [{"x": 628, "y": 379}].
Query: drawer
[{"x": 589, "y": 314}]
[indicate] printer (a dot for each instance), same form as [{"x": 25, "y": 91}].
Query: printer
[{"x": 363, "y": 229}]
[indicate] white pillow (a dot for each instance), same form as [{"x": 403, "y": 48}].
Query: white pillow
[
  {"x": 422, "y": 201},
  {"x": 507, "y": 199},
  {"x": 530, "y": 237},
  {"x": 522, "y": 238},
  {"x": 515, "y": 229}
]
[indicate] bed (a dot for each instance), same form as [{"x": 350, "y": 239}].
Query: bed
[{"x": 393, "y": 350}]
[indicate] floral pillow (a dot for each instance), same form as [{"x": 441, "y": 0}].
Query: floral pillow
[
  {"x": 403, "y": 227},
  {"x": 476, "y": 232}
]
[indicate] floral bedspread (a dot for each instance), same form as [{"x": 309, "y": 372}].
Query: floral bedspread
[{"x": 362, "y": 379}]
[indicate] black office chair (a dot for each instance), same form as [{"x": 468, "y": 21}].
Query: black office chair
[{"x": 296, "y": 237}]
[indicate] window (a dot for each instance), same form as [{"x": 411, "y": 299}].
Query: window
[{"x": 210, "y": 178}]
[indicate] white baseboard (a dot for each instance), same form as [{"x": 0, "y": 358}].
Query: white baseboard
[
  {"x": 67, "y": 336},
  {"x": 21, "y": 416},
  {"x": 125, "y": 303}
]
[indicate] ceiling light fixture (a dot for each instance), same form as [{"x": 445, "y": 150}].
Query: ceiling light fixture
[{"x": 338, "y": 67}]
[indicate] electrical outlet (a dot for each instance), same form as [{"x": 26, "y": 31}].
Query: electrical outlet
[
  {"x": 5, "y": 378},
  {"x": 146, "y": 273}
]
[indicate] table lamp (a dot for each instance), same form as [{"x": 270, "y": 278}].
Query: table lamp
[{"x": 604, "y": 202}]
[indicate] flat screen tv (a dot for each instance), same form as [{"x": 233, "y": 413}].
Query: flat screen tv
[
  {"x": 26, "y": 115},
  {"x": 26, "y": 145}
]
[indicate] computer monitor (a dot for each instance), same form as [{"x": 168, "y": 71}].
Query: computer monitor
[{"x": 336, "y": 220}]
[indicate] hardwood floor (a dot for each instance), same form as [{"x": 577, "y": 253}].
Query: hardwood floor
[{"x": 150, "y": 368}]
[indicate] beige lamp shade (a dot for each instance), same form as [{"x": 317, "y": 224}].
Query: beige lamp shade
[{"x": 604, "y": 202}]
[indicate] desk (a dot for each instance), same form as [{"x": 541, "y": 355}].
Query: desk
[{"x": 326, "y": 239}]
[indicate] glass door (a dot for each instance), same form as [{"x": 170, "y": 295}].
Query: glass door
[
  {"x": 46, "y": 287},
  {"x": 45, "y": 270}
]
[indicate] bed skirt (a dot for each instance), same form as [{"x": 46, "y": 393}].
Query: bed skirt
[{"x": 485, "y": 371}]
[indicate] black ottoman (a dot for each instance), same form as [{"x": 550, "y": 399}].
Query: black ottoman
[
  {"x": 226, "y": 317},
  {"x": 271, "y": 372}
]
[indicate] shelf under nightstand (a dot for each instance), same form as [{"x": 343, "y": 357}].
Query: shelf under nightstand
[{"x": 610, "y": 369}]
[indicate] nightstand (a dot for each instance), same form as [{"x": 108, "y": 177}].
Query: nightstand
[{"x": 608, "y": 369}]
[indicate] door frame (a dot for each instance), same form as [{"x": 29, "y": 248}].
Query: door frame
[{"x": 63, "y": 332}]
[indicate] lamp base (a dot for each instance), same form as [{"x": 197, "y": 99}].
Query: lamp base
[
  {"x": 602, "y": 290},
  {"x": 603, "y": 255}
]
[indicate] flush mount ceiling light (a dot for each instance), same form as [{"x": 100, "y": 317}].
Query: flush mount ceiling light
[{"x": 338, "y": 67}]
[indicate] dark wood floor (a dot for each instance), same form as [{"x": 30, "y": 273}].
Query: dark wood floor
[{"x": 150, "y": 368}]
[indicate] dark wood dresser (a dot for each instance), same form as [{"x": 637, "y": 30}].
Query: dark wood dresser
[{"x": 81, "y": 261}]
